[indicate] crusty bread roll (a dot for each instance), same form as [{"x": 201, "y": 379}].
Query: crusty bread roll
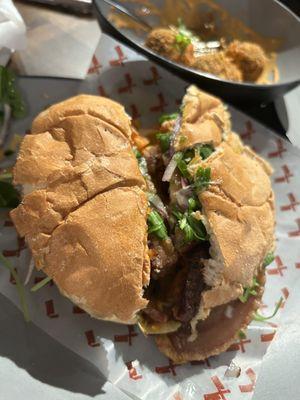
[
  {"x": 84, "y": 208},
  {"x": 84, "y": 216},
  {"x": 237, "y": 210}
]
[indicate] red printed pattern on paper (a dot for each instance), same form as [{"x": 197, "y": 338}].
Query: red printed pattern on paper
[
  {"x": 221, "y": 391},
  {"x": 91, "y": 340},
  {"x": 133, "y": 374},
  {"x": 279, "y": 151},
  {"x": 278, "y": 269},
  {"x": 250, "y": 387},
  {"x": 127, "y": 338},
  {"x": 121, "y": 57}
]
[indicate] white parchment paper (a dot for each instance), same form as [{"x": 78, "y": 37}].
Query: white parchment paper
[{"x": 126, "y": 358}]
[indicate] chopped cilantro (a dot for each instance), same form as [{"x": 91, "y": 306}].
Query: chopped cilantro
[
  {"x": 168, "y": 117},
  {"x": 242, "y": 335},
  {"x": 261, "y": 318},
  {"x": 182, "y": 41},
  {"x": 202, "y": 178},
  {"x": 9, "y": 94},
  {"x": 164, "y": 141},
  {"x": 192, "y": 228},
  {"x": 268, "y": 259},
  {"x": 182, "y": 164},
  {"x": 156, "y": 225},
  {"x": 205, "y": 151},
  {"x": 249, "y": 291}
]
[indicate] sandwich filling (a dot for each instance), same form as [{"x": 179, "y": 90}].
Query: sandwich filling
[{"x": 191, "y": 143}]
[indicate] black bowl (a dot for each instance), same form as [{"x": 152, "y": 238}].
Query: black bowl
[{"x": 268, "y": 18}]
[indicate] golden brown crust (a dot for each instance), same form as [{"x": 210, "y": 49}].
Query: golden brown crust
[
  {"x": 215, "y": 334},
  {"x": 96, "y": 256},
  {"x": 100, "y": 107},
  {"x": 239, "y": 213},
  {"x": 204, "y": 120},
  {"x": 82, "y": 168}
]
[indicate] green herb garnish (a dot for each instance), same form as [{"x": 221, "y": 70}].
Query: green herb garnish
[
  {"x": 242, "y": 335},
  {"x": 19, "y": 286},
  {"x": 9, "y": 94},
  {"x": 182, "y": 164},
  {"x": 184, "y": 36},
  {"x": 8, "y": 152},
  {"x": 182, "y": 41},
  {"x": 9, "y": 196},
  {"x": 164, "y": 141},
  {"x": 261, "y": 318},
  {"x": 137, "y": 153},
  {"x": 193, "y": 204},
  {"x": 249, "y": 291},
  {"x": 205, "y": 151},
  {"x": 202, "y": 178},
  {"x": 40, "y": 284},
  {"x": 268, "y": 259},
  {"x": 192, "y": 228},
  {"x": 156, "y": 225},
  {"x": 168, "y": 117}
]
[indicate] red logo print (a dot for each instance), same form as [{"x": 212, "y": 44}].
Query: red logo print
[
  {"x": 240, "y": 345},
  {"x": 132, "y": 371},
  {"x": 286, "y": 175},
  {"x": 155, "y": 77},
  {"x": 249, "y": 131},
  {"x": 102, "y": 91},
  {"x": 160, "y": 107},
  {"x": 15, "y": 253},
  {"x": 267, "y": 337},
  {"x": 250, "y": 387},
  {"x": 134, "y": 112},
  {"x": 280, "y": 150},
  {"x": 95, "y": 66},
  {"x": 8, "y": 223},
  {"x": 90, "y": 337},
  {"x": 126, "y": 338},
  {"x": 278, "y": 269},
  {"x": 221, "y": 391},
  {"x": 129, "y": 85},
  {"x": 78, "y": 310},
  {"x": 286, "y": 293},
  {"x": 296, "y": 232},
  {"x": 121, "y": 57},
  {"x": 293, "y": 203},
  {"x": 50, "y": 309},
  {"x": 167, "y": 369}
]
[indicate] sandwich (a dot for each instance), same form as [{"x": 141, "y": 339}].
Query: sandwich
[{"x": 171, "y": 235}]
